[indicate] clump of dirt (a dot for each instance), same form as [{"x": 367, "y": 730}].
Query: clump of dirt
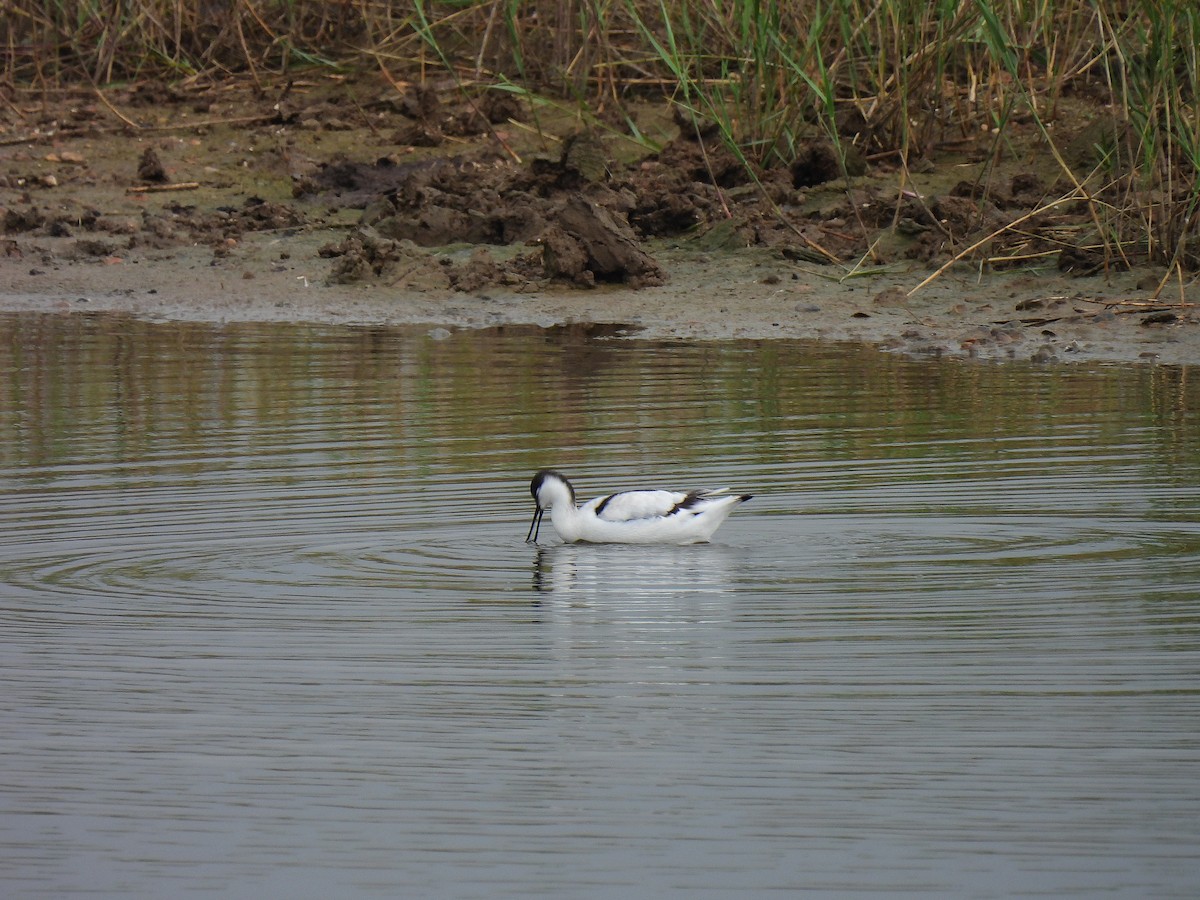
[
  {"x": 587, "y": 242},
  {"x": 150, "y": 168},
  {"x": 23, "y": 218},
  {"x": 225, "y": 223},
  {"x": 590, "y": 214},
  {"x": 84, "y": 233},
  {"x": 581, "y": 226},
  {"x": 432, "y": 202},
  {"x": 365, "y": 255},
  {"x": 433, "y": 122}
]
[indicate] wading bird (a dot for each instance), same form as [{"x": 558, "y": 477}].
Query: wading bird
[{"x": 629, "y": 517}]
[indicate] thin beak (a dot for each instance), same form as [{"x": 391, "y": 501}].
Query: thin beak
[{"x": 535, "y": 526}]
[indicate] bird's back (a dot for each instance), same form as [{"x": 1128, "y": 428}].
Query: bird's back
[{"x": 628, "y": 506}]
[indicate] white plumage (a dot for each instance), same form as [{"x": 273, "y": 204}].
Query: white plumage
[{"x": 629, "y": 517}]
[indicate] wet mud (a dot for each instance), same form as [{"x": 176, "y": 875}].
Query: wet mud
[{"x": 346, "y": 200}]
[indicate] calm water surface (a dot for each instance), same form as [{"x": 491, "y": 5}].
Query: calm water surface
[{"x": 268, "y": 626}]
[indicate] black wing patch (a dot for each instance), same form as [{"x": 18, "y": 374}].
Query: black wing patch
[
  {"x": 692, "y": 498},
  {"x": 603, "y": 503}
]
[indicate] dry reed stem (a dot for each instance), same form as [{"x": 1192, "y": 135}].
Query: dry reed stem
[
  {"x": 129, "y": 123},
  {"x": 1069, "y": 198}
]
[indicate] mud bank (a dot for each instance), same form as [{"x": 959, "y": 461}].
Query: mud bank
[
  {"x": 708, "y": 295},
  {"x": 221, "y": 206}
]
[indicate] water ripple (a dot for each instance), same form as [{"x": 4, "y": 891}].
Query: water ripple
[{"x": 268, "y": 620}]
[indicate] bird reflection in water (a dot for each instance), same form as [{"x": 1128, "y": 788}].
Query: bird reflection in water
[{"x": 636, "y": 572}]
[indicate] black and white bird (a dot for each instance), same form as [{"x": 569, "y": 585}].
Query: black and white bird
[{"x": 629, "y": 517}]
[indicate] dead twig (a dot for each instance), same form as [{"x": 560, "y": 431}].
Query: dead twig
[
  {"x": 162, "y": 188},
  {"x": 24, "y": 139},
  {"x": 262, "y": 119}
]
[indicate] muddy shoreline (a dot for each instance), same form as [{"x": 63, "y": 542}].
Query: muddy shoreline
[
  {"x": 188, "y": 213},
  {"x": 709, "y": 296}
]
